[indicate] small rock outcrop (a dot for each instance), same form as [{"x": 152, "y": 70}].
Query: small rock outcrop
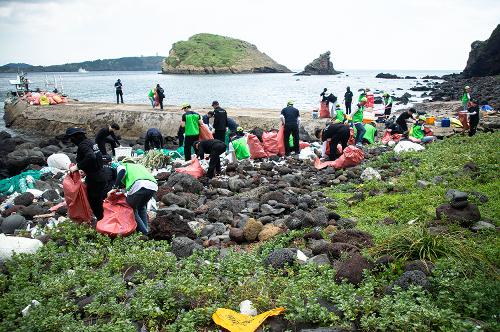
[
  {"x": 320, "y": 66},
  {"x": 484, "y": 57},
  {"x": 387, "y": 76}
]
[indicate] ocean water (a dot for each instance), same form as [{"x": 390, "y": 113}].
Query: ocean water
[{"x": 244, "y": 91}]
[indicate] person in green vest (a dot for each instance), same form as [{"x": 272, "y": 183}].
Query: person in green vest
[
  {"x": 140, "y": 186},
  {"x": 362, "y": 94},
  {"x": 370, "y": 133},
  {"x": 465, "y": 97},
  {"x": 417, "y": 132},
  {"x": 357, "y": 120},
  {"x": 388, "y": 101},
  {"x": 151, "y": 96},
  {"x": 238, "y": 146},
  {"x": 191, "y": 122},
  {"x": 339, "y": 114}
]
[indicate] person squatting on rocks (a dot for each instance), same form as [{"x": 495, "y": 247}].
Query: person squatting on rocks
[
  {"x": 339, "y": 114},
  {"x": 161, "y": 95},
  {"x": 89, "y": 160},
  {"x": 370, "y": 133},
  {"x": 290, "y": 117},
  {"x": 418, "y": 131},
  {"x": 402, "y": 126},
  {"x": 337, "y": 133},
  {"x": 220, "y": 121},
  {"x": 107, "y": 135},
  {"x": 348, "y": 100},
  {"x": 214, "y": 148},
  {"x": 190, "y": 123},
  {"x": 140, "y": 185},
  {"x": 154, "y": 139},
  {"x": 388, "y": 101},
  {"x": 119, "y": 91},
  {"x": 232, "y": 125},
  {"x": 357, "y": 120},
  {"x": 473, "y": 117}
]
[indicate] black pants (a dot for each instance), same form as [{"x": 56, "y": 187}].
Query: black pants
[
  {"x": 102, "y": 145},
  {"x": 180, "y": 135},
  {"x": 342, "y": 137},
  {"x": 139, "y": 202},
  {"x": 160, "y": 100},
  {"x": 387, "y": 111},
  {"x": 220, "y": 135},
  {"x": 153, "y": 142},
  {"x": 119, "y": 95},
  {"x": 294, "y": 131},
  {"x": 188, "y": 144},
  {"x": 96, "y": 193},
  {"x": 348, "y": 107},
  {"x": 214, "y": 164},
  {"x": 473, "y": 122}
]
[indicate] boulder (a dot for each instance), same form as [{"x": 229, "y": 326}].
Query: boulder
[
  {"x": 345, "y": 223},
  {"x": 236, "y": 184},
  {"x": 481, "y": 225},
  {"x": 277, "y": 196},
  {"x": 29, "y": 212},
  {"x": 387, "y": 76},
  {"x": 51, "y": 196},
  {"x": 352, "y": 269},
  {"x": 174, "y": 199},
  {"x": 454, "y": 195},
  {"x": 355, "y": 237},
  {"x": 335, "y": 250},
  {"x": 484, "y": 57},
  {"x": 370, "y": 174},
  {"x": 184, "y": 247},
  {"x": 252, "y": 229},
  {"x": 278, "y": 258},
  {"x": 417, "y": 278},
  {"x": 25, "y": 199},
  {"x": 266, "y": 210},
  {"x": 19, "y": 159},
  {"x": 237, "y": 235},
  {"x": 465, "y": 217},
  {"x": 320, "y": 66},
  {"x": 320, "y": 216},
  {"x": 269, "y": 231},
  {"x": 12, "y": 223},
  {"x": 419, "y": 265},
  {"x": 184, "y": 182},
  {"x": 166, "y": 226},
  {"x": 321, "y": 259}
]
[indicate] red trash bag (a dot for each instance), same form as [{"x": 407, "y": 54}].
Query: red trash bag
[
  {"x": 324, "y": 112},
  {"x": 270, "y": 142},
  {"x": 194, "y": 169},
  {"x": 118, "y": 217},
  {"x": 303, "y": 145},
  {"x": 281, "y": 140},
  {"x": 75, "y": 195},
  {"x": 205, "y": 133},
  {"x": 351, "y": 156},
  {"x": 390, "y": 137},
  {"x": 256, "y": 148},
  {"x": 318, "y": 164},
  {"x": 351, "y": 136}
]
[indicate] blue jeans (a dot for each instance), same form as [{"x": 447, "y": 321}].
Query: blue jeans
[
  {"x": 360, "y": 132},
  {"x": 428, "y": 139},
  {"x": 139, "y": 202}
]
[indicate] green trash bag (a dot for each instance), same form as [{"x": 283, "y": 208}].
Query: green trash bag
[
  {"x": 241, "y": 149},
  {"x": 226, "y": 139},
  {"x": 139, "y": 152}
]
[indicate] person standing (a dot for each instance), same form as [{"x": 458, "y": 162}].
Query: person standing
[
  {"x": 191, "y": 122},
  {"x": 348, "y": 100},
  {"x": 89, "y": 160},
  {"x": 161, "y": 95},
  {"x": 337, "y": 133},
  {"x": 119, "y": 91},
  {"x": 220, "y": 121},
  {"x": 465, "y": 97},
  {"x": 357, "y": 120},
  {"x": 154, "y": 139},
  {"x": 107, "y": 135},
  {"x": 151, "y": 96},
  {"x": 473, "y": 117},
  {"x": 290, "y": 117},
  {"x": 214, "y": 148},
  {"x": 140, "y": 185},
  {"x": 388, "y": 101}
]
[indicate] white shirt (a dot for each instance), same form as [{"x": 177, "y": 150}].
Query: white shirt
[{"x": 139, "y": 184}]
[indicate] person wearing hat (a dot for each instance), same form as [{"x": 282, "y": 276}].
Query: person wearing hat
[
  {"x": 154, "y": 139},
  {"x": 290, "y": 117},
  {"x": 401, "y": 121},
  {"x": 220, "y": 121},
  {"x": 339, "y": 114},
  {"x": 107, "y": 136},
  {"x": 388, "y": 101},
  {"x": 417, "y": 132},
  {"x": 140, "y": 185},
  {"x": 348, "y": 100},
  {"x": 336, "y": 133},
  {"x": 89, "y": 160},
  {"x": 357, "y": 120},
  {"x": 190, "y": 123},
  {"x": 214, "y": 148},
  {"x": 119, "y": 91}
]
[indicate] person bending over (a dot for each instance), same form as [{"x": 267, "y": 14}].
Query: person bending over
[
  {"x": 154, "y": 139},
  {"x": 337, "y": 133},
  {"x": 214, "y": 148},
  {"x": 107, "y": 135}
]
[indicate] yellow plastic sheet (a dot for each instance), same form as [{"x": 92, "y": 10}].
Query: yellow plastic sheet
[
  {"x": 456, "y": 123},
  {"x": 235, "y": 322}
]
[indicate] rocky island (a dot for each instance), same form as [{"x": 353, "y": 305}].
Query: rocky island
[
  {"x": 213, "y": 54},
  {"x": 320, "y": 66}
]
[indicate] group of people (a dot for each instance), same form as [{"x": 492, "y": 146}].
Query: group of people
[
  {"x": 155, "y": 94},
  {"x": 469, "y": 115}
]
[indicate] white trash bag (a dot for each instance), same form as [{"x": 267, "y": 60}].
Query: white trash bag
[
  {"x": 19, "y": 245},
  {"x": 405, "y": 146},
  {"x": 59, "y": 161}
]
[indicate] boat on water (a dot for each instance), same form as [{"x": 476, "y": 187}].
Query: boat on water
[{"x": 81, "y": 70}]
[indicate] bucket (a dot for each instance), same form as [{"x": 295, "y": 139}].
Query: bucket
[
  {"x": 430, "y": 120},
  {"x": 123, "y": 151},
  {"x": 446, "y": 122},
  {"x": 315, "y": 114}
]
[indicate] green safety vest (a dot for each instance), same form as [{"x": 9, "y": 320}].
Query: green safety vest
[
  {"x": 192, "y": 127},
  {"x": 136, "y": 172},
  {"x": 417, "y": 132},
  {"x": 151, "y": 94},
  {"x": 358, "y": 115},
  {"x": 465, "y": 98},
  {"x": 340, "y": 115},
  {"x": 241, "y": 149},
  {"x": 361, "y": 97},
  {"x": 388, "y": 101},
  {"x": 370, "y": 133}
]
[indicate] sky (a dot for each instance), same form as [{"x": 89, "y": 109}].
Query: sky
[{"x": 361, "y": 34}]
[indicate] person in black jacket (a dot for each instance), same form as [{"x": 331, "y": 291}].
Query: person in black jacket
[
  {"x": 402, "y": 119},
  {"x": 154, "y": 139},
  {"x": 337, "y": 133},
  {"x": 109, "y": 173},
  {"x": 107, "y": 135},
  {"x": 119, "y": 91},
  {"x": 473, "y": 110},
  {"x": 232, "y": 125},
  {"x": 89, "y": 160},
  {"x": 161, "y": 95},
  {"x": 290, "y": 117},
  {"x": 214, "y": 148},
  {"x": 348, "y": 100},
  {"x": 220, "y": 121}
]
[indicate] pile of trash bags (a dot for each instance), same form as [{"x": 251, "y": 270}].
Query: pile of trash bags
[{"x": 44, "y": 98}]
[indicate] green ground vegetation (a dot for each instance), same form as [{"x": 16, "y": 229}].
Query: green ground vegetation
[
  {"x": 207, "y": 50},
  {"x": 88, "y": 282}
]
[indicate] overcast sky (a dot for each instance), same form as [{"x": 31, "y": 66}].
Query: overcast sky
[{"x": 362, "y": 34}]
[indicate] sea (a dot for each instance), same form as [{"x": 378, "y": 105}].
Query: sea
[{"x": 269, "y": 91}]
